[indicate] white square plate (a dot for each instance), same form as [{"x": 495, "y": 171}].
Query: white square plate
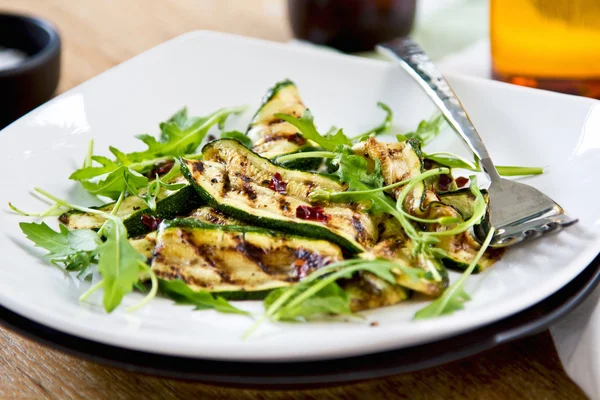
[{"x": 205, "y": 71}]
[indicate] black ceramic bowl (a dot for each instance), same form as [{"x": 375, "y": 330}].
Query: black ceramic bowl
[{"x": 33, "y": 81}]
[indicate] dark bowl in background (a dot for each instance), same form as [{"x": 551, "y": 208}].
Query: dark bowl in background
[
  {"x": 33, "y": 81},
  {"x": 351, "y": 25}
]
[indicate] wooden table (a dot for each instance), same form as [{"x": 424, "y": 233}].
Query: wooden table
[{"x": 100, "y": 34}]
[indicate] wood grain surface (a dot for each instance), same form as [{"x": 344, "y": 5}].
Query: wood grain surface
[{"x": 97, "y": 35}]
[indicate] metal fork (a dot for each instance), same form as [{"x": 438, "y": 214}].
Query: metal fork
[{"x": 517, "y": 212}]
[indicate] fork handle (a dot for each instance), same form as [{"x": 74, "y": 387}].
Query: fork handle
[{"x": 416, "y": 62}]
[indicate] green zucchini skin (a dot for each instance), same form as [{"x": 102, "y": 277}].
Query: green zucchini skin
[
  {"x": 272, "y": 92},
  {"x": 462, "y": 200},
  {"x": 179, "y": 203},
  {"x": 302, "y": 164},
  {"x": 359, "y": 228}
]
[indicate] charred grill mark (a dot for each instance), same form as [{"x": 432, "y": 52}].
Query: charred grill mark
[
  {"x": 249, "y": 192},
  {"x": 283, "y": 204},
  {"x": 494, "y": 254},
  {"x": 226, "y": 185},
  {"x": 381, "y": 228},
  {"x": 64, "y": 218},
  {"x": 203, "y": 251},
  {"x": 392, "y": 152},
  {"x": 217, "y": 157},
  {"x": 359, "y": 228},
  {"x": 354, "y": 206},
  {"x": 309, "y": 185},
  {"x": 245, "y": 178},
  {"x": 214, "y": 219},
  {"x": 198, "y": 167},
  {"x": 275, "y": 137},
  {"x": 274, "y": 121},
  {"x": 253, "y": 253},
  {"x": 295, "y": 138}
]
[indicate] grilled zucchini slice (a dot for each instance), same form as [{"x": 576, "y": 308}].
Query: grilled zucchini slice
[
  {"x": 236, "y": 181},
  {"x": 399, "y": 161},
  {"x": 368, "y": 291},
  {"x": 462, "y": 248},
  {"x": 273, "y": 137},
  {"x": 169, "y": 205},
  {"x": 462, "y": 200},
  {"x": 234, "y": 258}
]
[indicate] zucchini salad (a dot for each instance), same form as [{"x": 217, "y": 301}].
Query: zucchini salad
[{"x": 314, "y": 224}]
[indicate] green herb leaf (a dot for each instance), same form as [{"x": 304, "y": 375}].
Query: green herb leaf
[
  {"x": 455, "y": 161},
  {"x": 307, "y": 128},
  {"x": 181, "y": 293},
  {"x": 354, "y": 171},
  {"x": 332, "y": 299},
  {"x": 180, "y": 135},
  {"x": 379, "y": 129},
  {"x": 288, "y": 301},
  {"x": 150, "y": 191},
  {"x": 449, "y": 161},
  {"x": 427, "y": 129},
  {"x": 113, "y": 184},
  {"x": 73, "y": 248},
  {"x": 239, "y": 136},
  {"x": 118, "y": 263}
]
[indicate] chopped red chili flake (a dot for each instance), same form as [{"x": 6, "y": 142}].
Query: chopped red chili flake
[
  {"x": 444, "y": 182},
  {"x": 277, "y": 184},
  {"x": 312, "y": 213},
  {"x": 150, "y": 221},
  {"x": 461, "y": 181}
]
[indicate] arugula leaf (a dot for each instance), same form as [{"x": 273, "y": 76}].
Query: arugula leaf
[
  {"x": 379, "y": 129},
  {"x": 306, "y": 126},
  {"x": 113, "y": 184},
  {"x": 73, "y": 248},
  {"x": 449, "y": 161},
  {"x": 299, "y": 301},
  {"x": 181, "y": 293},
  {"x": 427, "y": 129},
  {"x": 118, "y": 263},
  {"x": 354, "y": 171},
  {"x": 239, "y": 136},
  {"x": 332, "y": 299},
  {"x": 180, "y": 135},
  {"x": 152, "y": 190},
  {"x": 455, "y": 161}
]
